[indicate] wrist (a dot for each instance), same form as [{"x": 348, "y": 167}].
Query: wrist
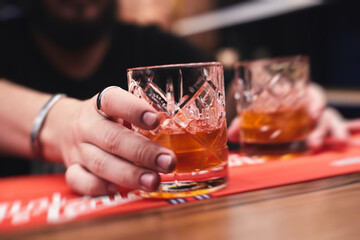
[
  {"x": 39, "y": 122},
  {"x": 56, "y": 125}
]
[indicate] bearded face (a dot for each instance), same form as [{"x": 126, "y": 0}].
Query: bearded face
[{"x": 73, "y": 24}]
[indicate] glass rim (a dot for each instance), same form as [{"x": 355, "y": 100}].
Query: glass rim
[
  {"x": 177, "y": 65},
  {"x": 280, "y": 58}
]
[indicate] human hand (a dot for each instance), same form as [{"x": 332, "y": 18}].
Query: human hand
[
  {"x": 101, "y": 153},
  {"x": 330, "y": 124},
  {"x": 329, "y": 121}
]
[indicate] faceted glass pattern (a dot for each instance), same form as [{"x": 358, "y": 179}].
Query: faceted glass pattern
[
  {"x": 272, "y": 104},
  {"x": 190, "y": 99}
]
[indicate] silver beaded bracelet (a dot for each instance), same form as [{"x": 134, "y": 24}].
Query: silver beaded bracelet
[{"x": 38, "y": 123}]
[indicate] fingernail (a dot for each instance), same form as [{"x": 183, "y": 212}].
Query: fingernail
[
  {"x": 149, "y": 118},
  {"x": 112, "y": 188},
  {"x": 147, "y": 180},
  {"x": 164, "y": 162}
]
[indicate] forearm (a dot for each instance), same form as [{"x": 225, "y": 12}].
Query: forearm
[{"x": 19, "y": 107}]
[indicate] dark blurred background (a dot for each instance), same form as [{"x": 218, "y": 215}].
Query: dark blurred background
[
  {"x": 233, "y": 30},
  {"x": 328, "y": 33}
]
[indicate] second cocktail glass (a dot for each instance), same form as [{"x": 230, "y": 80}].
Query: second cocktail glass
[{"x": 272, "y": 105}]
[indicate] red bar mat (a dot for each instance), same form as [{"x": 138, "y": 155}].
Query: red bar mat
[{"x": 36, "y": 201}]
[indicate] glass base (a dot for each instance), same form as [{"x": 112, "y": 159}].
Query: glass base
[
  {"x": 274, "y": 149},
  {"x": 183, "y": 189}
]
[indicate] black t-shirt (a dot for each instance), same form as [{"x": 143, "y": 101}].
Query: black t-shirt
[{"x": 22, "y": 61}]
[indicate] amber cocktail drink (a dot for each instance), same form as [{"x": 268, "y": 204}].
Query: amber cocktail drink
[
  {"x": 190, "y": 99},
  {"x": 272, "y": 105}
]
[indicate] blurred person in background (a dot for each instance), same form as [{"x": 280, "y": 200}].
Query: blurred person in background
[{"x": 77, "y": 48}]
